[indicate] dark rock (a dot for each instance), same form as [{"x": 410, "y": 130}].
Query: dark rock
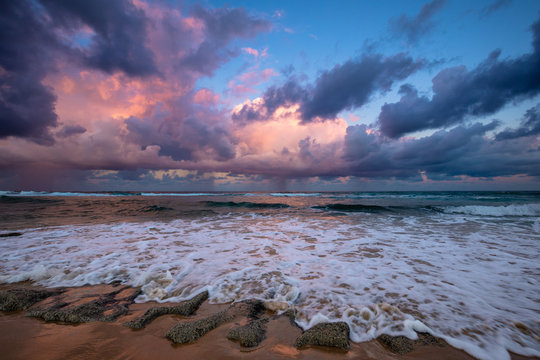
[
  {"x": 428, "y": 339},
  {"x": 186, "y": 308},
  {"x": 18, "y": 299},
  {"x": 10, "y": 234},
  {"x": 190, "y": 331},
  {"x": 402, "y": 345},
  {"x": 187, "y": 332},
  {"x": 249, "y": 335},
  {"x": 398, "y": 344},
  {"x": 91, "y": 311},
  {"x": 105, "y": 308},
  {"x": 326, "y": 334}
]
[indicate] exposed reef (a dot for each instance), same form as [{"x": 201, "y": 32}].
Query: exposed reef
[
  {"x": 334, "y": 334},
  {"x": 402, "y": 345},
  {"x": 249, "y": 335},
  {"x": 104, "y": 307},
  {"x": 186, "y": 308},
  {"x": 18, "y": 299},
  {"x": 187, "y": 332}
]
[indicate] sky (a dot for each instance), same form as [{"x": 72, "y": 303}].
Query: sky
[{"x": 172, "y": 95}]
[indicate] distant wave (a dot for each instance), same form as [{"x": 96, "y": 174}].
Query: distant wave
[
  {"x": 503, "y": 210},
  {"x": 250, "y": 205},
  {"x": 57, "y": 193},
  {"x": 113, "y": 193},
  {"x": 155, "y": 208},
  {"x": 187, "y": 194},
  {"x": 352, "y": 208},
  {"x": 16, "y": 200},
  {"x": 294, "y": 194}
]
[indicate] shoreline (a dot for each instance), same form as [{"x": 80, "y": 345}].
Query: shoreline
[{"x": 105, "y": 335}]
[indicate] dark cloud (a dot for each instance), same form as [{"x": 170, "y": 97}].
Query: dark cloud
[
  {"x": 120, "y": 33},
  {"x": 462, "y": 151},
  {"x": 275, "y": 96},
  {"x": 207, "y": 58},
  {"x": 529, "y": 126},
  {"x": 494, "y": 6},
  {"x": 344, "y": 87},
  {"x": 444, "y": 146},
  {"x": 32, "y": 41},
  {"x": 359, "y": 143},
  {"x": 226, "y": 24},
  {"x": 460, "y": 94},
  {"x": 70, "y": 130},
  {"x": 351, "y": 84},
  {"x": 414, "y": 27},
  {"x": 247, "y": 114},
  {"x": 27, "y": 107},
  {"x": 221, "y": 27},
  {"x": 289, "y": 93}
]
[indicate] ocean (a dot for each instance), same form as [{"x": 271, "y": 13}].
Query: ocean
[{"x": 464, "y": 266}]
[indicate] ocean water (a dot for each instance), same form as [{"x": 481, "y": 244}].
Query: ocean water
[{"x": 464, "y": 266}]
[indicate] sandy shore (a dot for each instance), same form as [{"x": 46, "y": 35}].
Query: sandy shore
[{"x": 23, "y": 337}]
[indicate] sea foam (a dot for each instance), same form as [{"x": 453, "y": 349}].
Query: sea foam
[
  {"x": 462, "y": 278},
  {"x": 502, "y": 210}
]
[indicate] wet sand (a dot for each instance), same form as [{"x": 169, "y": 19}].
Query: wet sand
[{"x": 23, "y": 337}]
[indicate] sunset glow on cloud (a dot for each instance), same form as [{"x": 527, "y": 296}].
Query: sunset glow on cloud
[{"x": 158, "y": 95}]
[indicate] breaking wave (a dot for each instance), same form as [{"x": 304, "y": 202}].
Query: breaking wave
[
  {"x": 352, "y": 208},
  {"x": 249, "y": 205},
  {"x": 503, "y": 210}
]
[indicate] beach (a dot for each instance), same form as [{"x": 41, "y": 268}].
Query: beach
[
  {"x": 23, "y": 337},
  {"x": 447, "y": 274}
]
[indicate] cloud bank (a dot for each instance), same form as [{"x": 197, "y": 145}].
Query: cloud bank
[{"x": 108, "y": 93}]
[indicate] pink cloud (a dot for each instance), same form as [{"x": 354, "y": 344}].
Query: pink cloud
[
  {"x": 251, "y": 51},
  {"x": 205, "y": 97},
  {"x": 245, "y": 83}
]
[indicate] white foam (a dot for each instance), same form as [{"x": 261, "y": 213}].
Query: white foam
[
  {"x": 294, "y": 194},
  {"x": 46, "y": 193},
  {"x": 467, "y": 280},
  {"x": 502, "y": 210},
  {"x": 90, "y": 194},
  {"x": 184, "y": 194}
]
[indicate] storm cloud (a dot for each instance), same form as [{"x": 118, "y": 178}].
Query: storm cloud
[
  {"x": 118, "y": 42},
  {"x": 461, "y": 151},
  {"x": 351, "y": 84},
  {"x": 27, "y": 106},
  {"x": 346, "y": 86},
  {"x": 530, "y": 126},
  {"x": 460, "y": 94},
  {"x": 34, "y": 39}
]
